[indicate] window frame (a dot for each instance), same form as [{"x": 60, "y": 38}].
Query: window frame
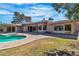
[
  {"x": 58, "y": 28},
  {"x": 44, "y": 27},
  {"x": 68, "y": 28}
]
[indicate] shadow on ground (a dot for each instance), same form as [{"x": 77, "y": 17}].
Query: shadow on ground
[{"x": 67, "y": 36}]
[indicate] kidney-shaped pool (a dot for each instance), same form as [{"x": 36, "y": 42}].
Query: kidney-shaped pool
[{"x": 11, "y": 37}]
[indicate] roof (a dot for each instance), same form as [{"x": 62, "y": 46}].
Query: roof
[
  {"x": 39, "y": 22},
  {"x": 45, "y": 21},
  {"x": 11, "y": 24},
  {"x": 63, "y": 21}
]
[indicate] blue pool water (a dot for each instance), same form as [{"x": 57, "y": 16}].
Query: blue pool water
[{"x": 7, "y": 38}]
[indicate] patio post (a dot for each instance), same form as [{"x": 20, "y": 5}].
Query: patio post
[
  {"x": 63, "y": 28},
  {"x": 42, "y": 27},
  {"x": 15, "y": 28},
  {"x": 11, "y": 28},
  {"x": 78, "y": 36}
]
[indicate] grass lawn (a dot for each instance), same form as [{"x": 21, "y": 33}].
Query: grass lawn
[{"x": 39, "y": 47}]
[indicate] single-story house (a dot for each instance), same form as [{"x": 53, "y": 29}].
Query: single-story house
[{"x": 66, "y": 26}]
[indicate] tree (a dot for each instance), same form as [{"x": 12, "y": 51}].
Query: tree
[
  {"x": 16, "y": 18},
  {"x": 71, "y": 9},
  {"x": 43, "y": 19},
  {"x": 50, "y": 19},
  {"x": 20, "y": 18}
]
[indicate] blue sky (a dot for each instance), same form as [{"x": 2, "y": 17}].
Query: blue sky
[{"x": 37, "y": 11}]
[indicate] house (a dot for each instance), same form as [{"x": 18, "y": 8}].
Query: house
[{"x": 65, "y": 27}]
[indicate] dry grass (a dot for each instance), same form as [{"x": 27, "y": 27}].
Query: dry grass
[{"x": 39, "y": 47}]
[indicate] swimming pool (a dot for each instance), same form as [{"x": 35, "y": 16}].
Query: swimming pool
[{"x": 10, "y": 37}]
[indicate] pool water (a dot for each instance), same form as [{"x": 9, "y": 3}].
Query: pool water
[{"x": 7, "y": 38}]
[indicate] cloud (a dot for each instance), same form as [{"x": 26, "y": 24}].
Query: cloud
[
  {"x": 43, "y": 8},
  {"x": 36, "y": 11},
  {"x": 5, "y": 12}
]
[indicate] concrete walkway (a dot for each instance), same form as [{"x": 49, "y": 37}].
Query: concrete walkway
[{"x": 29, "y": 38}]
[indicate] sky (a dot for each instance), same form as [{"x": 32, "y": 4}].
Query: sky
[{"x": 37, "y": 11}]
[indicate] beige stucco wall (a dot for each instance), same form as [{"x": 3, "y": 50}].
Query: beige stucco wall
[
  {"x": 76, "y": 27},
  {"x": 72, "y": 28},
  {"x": 25, "y": 28},
  {"x": 4, "y": 29},
  {"x": 50, "y": 28},
  {"x": 41, "y": 26}
]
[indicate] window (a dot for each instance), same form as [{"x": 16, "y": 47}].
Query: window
[
  {"x": 1, "y": 29},
  {"x": 44, "y": 27},
  {"x": 40, "y": 27},
  {"x": 58, "y": 28},
  {"x": 13, "y": 29},
  {"x": 8, "y": 29},
  {"x": 68, "y": 27}
]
